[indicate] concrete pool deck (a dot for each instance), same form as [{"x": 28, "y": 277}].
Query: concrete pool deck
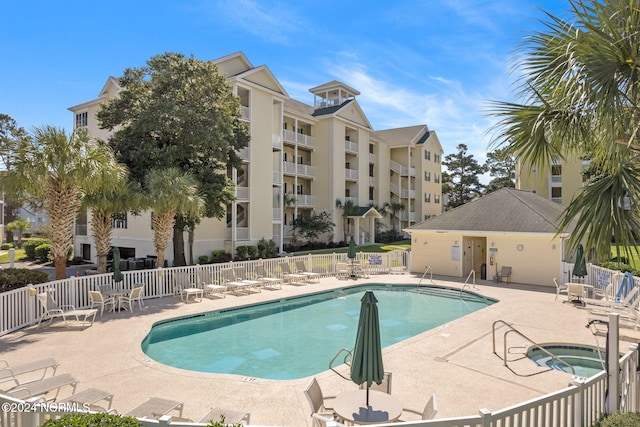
[{"x": 454, "y": 361}]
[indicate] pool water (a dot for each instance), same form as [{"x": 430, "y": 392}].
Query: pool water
[
  {"x": 586, "y": 361},
  {"x": 298, "y": 337}
]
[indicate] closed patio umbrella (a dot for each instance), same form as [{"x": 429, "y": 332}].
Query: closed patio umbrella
[
  {"x": 580, "y": 267},
  {"x": 351, "y": 253},
  {"x": 117, "y": 274},
  {"x": 366, "y": 363}
]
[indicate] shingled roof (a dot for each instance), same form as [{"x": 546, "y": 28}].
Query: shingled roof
[{"x": 505, "y": 210}]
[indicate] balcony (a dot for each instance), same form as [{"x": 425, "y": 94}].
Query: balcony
[
  {"x": 351, "y": 147},
  {"x": 243, "y": 153},
  {"x": 353, "y": 200},
  {"x": 81, "y": 229},
  {"x": 372, "y": 158},
  {"x": 372, "y": 181},
  {"x": 351, "y": 174},
  {"x": 298, "y": 138},
  {"x": 402, "y": 170},
  {"x": 290, "y": 168},
  {"x": 407, "y": 216},
  {"x": 276, "y": 178},
  {"x": 242, "y": 233},
  {"x": 242, "y": 193},
  {"x": 556, "y": 179},
  {"x": 305, "y": 200},
  {"x": 277, "y": 214},
  {"x": 246, "y": 113},
  {"x": 402, "y": 192},
  {"x": 276, "y": 141}
]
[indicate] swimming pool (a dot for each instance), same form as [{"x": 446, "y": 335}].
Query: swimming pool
[
  {"x": 585, "y": 360},
  {"x": 298, "y": 337}
]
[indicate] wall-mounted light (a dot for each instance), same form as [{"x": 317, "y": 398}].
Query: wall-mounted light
[{"x": 493, "y": 244}]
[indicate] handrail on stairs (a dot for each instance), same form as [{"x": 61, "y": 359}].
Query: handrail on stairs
[{"x": 424, "y": 274}]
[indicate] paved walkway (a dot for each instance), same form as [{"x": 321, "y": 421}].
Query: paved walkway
[{"x": 455, "y": 361}]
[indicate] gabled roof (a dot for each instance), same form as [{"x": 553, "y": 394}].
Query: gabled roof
[
  {"x": 506, "y": 210},
  {"x": 365, "y": 212},
  {"x": 233, "y": 64},
  {"x": 329, "y": 110},
  {"x": 334, "y": 85},
  {"x": 262, "y": 76}
]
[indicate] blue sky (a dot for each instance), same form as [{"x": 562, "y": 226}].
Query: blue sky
[{"x": 415, "y": 62}]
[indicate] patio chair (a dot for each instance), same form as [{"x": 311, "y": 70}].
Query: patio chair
[
  {"x": 52, "y": 311},
  {"x": 342, "y": 270},
  {"x": 99, "y": 300},
  {"x": 9, "y": 372},
  {"x": 185, "y": 288},
  {"x": 301, "y": 268},
  {"x": 134, "y": 296},
  {"x": 292, "y": 278},
  {"x": 267, "y": 282},
  {"x": 230, "y": 417},
  {"x": 504, "y": 273},
  {"x": 210, "y": 285},
  {"x": 322, "y": 421},
  {"x": 430, "y": 409},
  {"x": 89, "y": 398},
  {"x": 560, "y": 289},
  {"x": 316, "y": 399},
  {"x": 155, "y": 408},
  {"x": 229, "y": 280},
  {"x": 241, "y": 276},
  {"x": 41, "y": 387},
  {"x": 384, "y": 386}
]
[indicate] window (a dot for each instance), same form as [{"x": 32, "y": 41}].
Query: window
[
  {"x": 427, "y": 176},
  {"x": 371, "y": 190},
  {"x": 82, "y": 119},
  {"x": 427, "y": 155},
  {"x": 556, "y": 192},
  {"x": 285, "y": 156},
  {"x": 436, "y": 158},
  {"x": 556, "y": 170},
  {"x": 427, "y": 197},
  {"x": 436, "y": 178},
  {"x": 347, "y": 165},
  {"x": 371, "y": 170},
  {"x": 370, "y": 148},
  {"x": 119, "y": 220},
  {"x": 299, "y": 189},
  {"x": 436, "y": 198},
  {"x": 347, "y": 192}
]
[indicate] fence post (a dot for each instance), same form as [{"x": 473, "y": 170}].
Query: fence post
[
  {"x": 485, "y": 417},
  {"x": 613, "y": 364},
  {"x": 578, "y": 401}
]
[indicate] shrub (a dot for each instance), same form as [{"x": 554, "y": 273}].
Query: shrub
[
  {"x": 93, "y": 420},
  {"x": 27, "y": 235},
  {"x": 30, "y": 247},
  {"x": 203, "y": 259},
  {"x": 43, "y": 252},
  {"x": 77, "y": 260},
  {"x": 6, "y": 246},
  {"x": 242, "y": 253},
  {"x": 220, "y": 255},
  {"x": 619, "y": 419},
  {"x": 14, "y": 278},
  {"x": 252, "y": 252},
  {"x": 267, "y": 249}
]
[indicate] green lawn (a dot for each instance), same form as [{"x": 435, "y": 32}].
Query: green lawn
[
  {"x": 19, "y": 255},
  {"x": 634, "y": 257},
  {"x": 399, "y": 245}
]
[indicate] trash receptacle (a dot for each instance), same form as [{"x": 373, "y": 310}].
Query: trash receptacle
[{"x": 483, "y": 272}]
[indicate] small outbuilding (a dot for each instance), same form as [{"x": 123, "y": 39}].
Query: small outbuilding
[{"x": 509, "y": 227}]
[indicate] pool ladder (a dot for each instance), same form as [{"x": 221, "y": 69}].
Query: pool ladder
[
  {"x": 472, "y": 275},
  {"x": 536, "y": 345},
  {"x": 346, "y": 355},
  {"x": 428, "y": 270}
]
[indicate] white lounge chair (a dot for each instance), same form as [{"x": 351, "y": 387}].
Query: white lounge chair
[
  {"x": 52, "y": 311},
  {"x": 210, "y": 285},
  {"x": 100, "y": 300},
  {"x": 342, "y": 270},
  {"x": 89, "y": 398},
  {"x": 301, "y": 268},
  {"x": 185, "y": 288},
  {"x": 267, "y": 282},
  {"x": 229, "y": 280},
  {"x": 292, "y": 278},
  {"x": 155, "y": 408},
  {"x": 322, "y": 421},
  {"x": 41, "y": 387},
  {"x": 241, "y": 276},
  {"x": 231, "y": 417},
  {"x": 9, "y": 372}
]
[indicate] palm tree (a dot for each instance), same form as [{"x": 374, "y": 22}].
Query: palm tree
[
  {"x": 59, "y": 168},
  {"x": 579, "y": 96},
  {"x": 169, "y": 192},
  {"x": 348, "y": 209},
  {"x": 19, "y": 225},
  {"x": 394, "y": 208}
]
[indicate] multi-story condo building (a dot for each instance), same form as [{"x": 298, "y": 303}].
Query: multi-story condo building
[
  {"x": 558, "y": 182},
  {"x": 301, "y": 158}
]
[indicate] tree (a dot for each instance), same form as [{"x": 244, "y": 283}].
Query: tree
[
  {"x": 313, "y": 224},
  {"x": 170, "y": 192},
  {"x": 502, "y": 166},
  {"x": 461, "y": 182},
  {"x": 348, "y": 209},
  {"x": 19, "y": 225},
  {"x": 579, "y": 95},
  {"x": 394, "y": 208},
  {"x": 11, "y": 136},
  {"x": 59, "y": 168},
  {"x": 179, "y": 112}
]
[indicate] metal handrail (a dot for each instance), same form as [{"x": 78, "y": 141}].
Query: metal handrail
[
  {"x": 535, "y": 344},
  {"x": 466, "y": 282},
  {"x": 346, "y": 360},
  {"x": 424, "y": 274}
]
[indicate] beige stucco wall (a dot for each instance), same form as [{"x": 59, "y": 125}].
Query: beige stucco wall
[{"x": 539, "y": 261}]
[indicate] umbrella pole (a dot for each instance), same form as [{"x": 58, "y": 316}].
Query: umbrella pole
[{"x": 367, "y": 395}]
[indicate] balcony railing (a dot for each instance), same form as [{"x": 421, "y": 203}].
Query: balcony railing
[
  {"x": 305, "y": 200},
  {"x": 556, "y": 179},
  {"x": 277, "y": 214},
  {"x": 353, "y": 200},
  {"x": 243, "y": 153},
  {"x": 351, "y": 146},
  {"x": 372, "y": 181},
  {"x": 276, "y": 178},
  {"x": 401, "y": 169},
  {"x": 242, "y": 193},
  {"x": 298, "y": 169},
  {"x": 402, "y": 192},
  {"x": 407, "y": 216},
  {"x": 242, "y": 233},
  {"x": 372, "y": 158},
  {"x": 81, "y": 229},
  {"x": 299, "y": 138},
  {"x": 276, "y": 141},
  {"x": 246, "y": 113},
  {"x": 351, "y": 174}
]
